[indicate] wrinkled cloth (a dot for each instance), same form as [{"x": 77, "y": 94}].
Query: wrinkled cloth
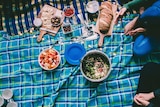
[{"x": 65, "y": 86}]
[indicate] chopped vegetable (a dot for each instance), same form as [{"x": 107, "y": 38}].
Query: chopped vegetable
[{"x": 49, "y": 59}]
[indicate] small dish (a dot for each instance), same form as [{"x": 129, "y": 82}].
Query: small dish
[
  {"x": 56, "y": 21},
  {"x": 69, "y": 11},
  {"x": 49, "y": 59},
  {"x": 92, "y": 7},
  {"x": 66, "y": 28},
  {"x": 73, "y": 53},
  {"x": 37, "y": 22}
]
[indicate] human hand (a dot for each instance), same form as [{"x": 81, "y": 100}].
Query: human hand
[
  {"x": 146, "y": 96},
  {"x": 143, "y": 98},
  {"x": 120, "y": 14},
  {"x": 135, "y": 31},
  {"x": 140, "y": 101},
  {"x": 129, "y": 27}
]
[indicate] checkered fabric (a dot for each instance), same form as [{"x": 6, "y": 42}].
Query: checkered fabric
[
  {"x": 65, "y": 86},
  {"x": 18, "y": 15}
]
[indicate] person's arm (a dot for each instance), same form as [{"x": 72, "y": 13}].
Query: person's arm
[
  {"x": 151, "y": 105},
  {"x": 157, "y": 93},
  {"x": 134, "y": 4},
  {"x": 143, "y": 102},
  {"x": 128, "y": 6}
]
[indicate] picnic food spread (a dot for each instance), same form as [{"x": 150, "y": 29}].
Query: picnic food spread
[{"x": 34, "y": 86}]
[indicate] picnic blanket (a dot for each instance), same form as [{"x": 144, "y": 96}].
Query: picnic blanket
[{"x": 65, "y": 86}]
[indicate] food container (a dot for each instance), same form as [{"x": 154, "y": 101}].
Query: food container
[
  {"x": 49, "y": 59},
  {"x": 69, "y": 11},
  {"x": 67, "y": 28},
  {"x": 95, "y": 66},
  {"x": 92, "y": 8},
  {"x": 56, "y": 21},
  {"x": 37, "y": 22}
]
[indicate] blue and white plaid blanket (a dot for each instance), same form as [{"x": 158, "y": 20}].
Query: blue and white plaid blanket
[{"x": 65, "y": 86}]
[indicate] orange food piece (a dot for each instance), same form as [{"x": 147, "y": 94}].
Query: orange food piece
[{"x": 49, "y": 59}]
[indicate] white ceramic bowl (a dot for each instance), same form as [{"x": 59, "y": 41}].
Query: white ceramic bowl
[
  {"x": 49, "y": 59},
  {"x": 91, "y": 66},
  {"x": 92, "y": 6}
]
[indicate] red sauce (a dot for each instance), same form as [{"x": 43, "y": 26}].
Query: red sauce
[{"x": 68, "y": 12}]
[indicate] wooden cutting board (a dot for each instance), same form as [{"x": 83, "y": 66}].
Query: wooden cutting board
[
  {"x": 46, "y": 13},
  {"x": 109, "y": 33}
]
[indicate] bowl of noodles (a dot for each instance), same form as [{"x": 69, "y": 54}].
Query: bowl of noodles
[{"x": 95, "y": 66}]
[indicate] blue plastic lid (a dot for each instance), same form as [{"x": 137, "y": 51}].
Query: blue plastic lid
[{"x": 73, "y": 53}]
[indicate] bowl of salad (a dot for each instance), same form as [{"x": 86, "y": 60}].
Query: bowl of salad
[
  {"x": 49, "y": 59},
  {"x": 95, "y": 66}
]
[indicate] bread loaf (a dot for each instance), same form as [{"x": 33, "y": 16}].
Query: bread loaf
[{"x": 105, "y": 16}]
